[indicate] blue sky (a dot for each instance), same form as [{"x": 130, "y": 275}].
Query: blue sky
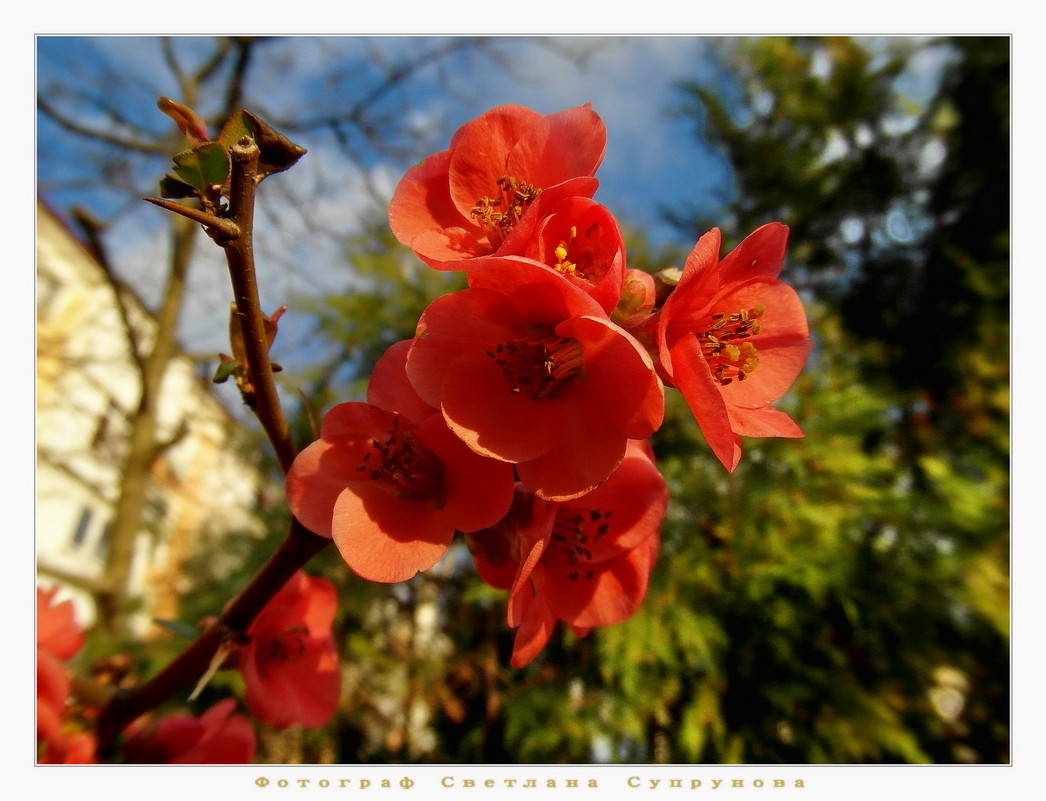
[{"x": 653, "y": 159}]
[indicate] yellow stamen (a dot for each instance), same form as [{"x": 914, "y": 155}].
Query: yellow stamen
[
  {"x": 499, "y": 215},
  {"x": 728, "y": 357}
]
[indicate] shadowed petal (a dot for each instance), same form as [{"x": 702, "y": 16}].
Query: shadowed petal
[{"x": 385, "y": 538}]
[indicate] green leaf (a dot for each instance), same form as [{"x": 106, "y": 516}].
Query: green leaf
[
  {"x": 171, "y": 187},
  {"x": 239, "y": 125},
  {"x": 178, "y": 628},
  {"x": 226, "y": 368},
  {"x": 277, "y": 152},
  {"x": 203, "y": 167}
]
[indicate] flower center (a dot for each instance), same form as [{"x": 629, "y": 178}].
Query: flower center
[
  {"x": 402, "y": 465},
  {"x": 725, "y": 350},
  {"x": 539, "y": 366},
  {"x": 574, "y": 531},
  {"x": 287, "y": 646},
  {"x": 581, "y": 256},
  {"x": 498, "y": 215}
]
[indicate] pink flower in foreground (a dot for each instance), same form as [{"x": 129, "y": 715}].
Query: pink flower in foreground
[
  {"x": 528, "y": 369},
  {"x": 484, "y": 194},
  {"x": 217, "y": 737},
  {"x": 392, "y": 487},
  {"x": 290, "y": 663},
  {"x": 733, "y": 338},
  {"x": 585, "y": 562}
]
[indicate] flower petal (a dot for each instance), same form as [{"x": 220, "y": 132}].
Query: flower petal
[
  {"x": 587, "y": 448},
  {"x": 390, "y": 389},
  {"x": 537, "y": 620},
  {"x": 299, "y": 692},
  {"x": 702, "y": 395},
  {"x": 612, "y": 595},
  {"x": 480, "y": 150},
  {"x": 481, "y": 408},
  {"x": 558, "y": 146},
  {"x": 761, "y": 253},
  {"x": 477, "y": 491},
  {"x": 386, "y": 538},
  {"x": 323, "y": 469},
  {"x": 764, "y": 422},
  {"x": 472, "y": 320}
]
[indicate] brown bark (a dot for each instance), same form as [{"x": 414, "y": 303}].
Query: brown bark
[{"x": 143, "y": 447}]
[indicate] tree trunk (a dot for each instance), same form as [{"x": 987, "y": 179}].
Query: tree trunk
[{"x": 143, "y": 448}]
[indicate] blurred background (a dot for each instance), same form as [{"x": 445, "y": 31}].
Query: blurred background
[{"x": 843, "y": 598}]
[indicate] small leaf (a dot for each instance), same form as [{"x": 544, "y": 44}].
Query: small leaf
[
  {"x": 203, "y": 167},
  {"x": 178, "y": 628},
  {"x": 271, "y": 324},
  {"x": 278, "y": 153},
  {"x": 171, "y": 187},
  {"x": 227, "y": 367},
  {"x": 235, "y": 128}
]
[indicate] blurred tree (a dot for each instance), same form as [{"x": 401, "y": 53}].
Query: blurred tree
[
  {"x": 898, "y": 204},
  {"x": 845, "y": 598}
]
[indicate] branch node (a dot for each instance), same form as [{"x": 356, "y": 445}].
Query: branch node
[{"x": 219, "y": 227}]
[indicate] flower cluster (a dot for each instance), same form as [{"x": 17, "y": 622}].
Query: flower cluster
[{"x": 519, "y": 412}]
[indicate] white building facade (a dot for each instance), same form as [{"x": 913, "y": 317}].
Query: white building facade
[{"x": 87, "y": 386}]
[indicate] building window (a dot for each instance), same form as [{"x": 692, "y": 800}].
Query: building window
[{"x": 83, "y": 525}]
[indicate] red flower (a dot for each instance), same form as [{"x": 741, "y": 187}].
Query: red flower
[
  {"x": 57, "y": 631},
  {"x": 484, "y": 194},
  {"x": 290, "y": 663},
  {"x": 733, "y": 338},
  {"x": 60, "y": 742},
  {"x": 580, "y": 239},
  {"x": 586, "y": 562},
  {"x": 58, "y": 638},
  {"x": 217, "y": 737},
  {"x": 391, "y": 487},
  {"x": 528, "y": 369}
]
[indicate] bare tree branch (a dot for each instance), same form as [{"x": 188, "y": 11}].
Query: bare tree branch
[{"x": 106, "y": 137}]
